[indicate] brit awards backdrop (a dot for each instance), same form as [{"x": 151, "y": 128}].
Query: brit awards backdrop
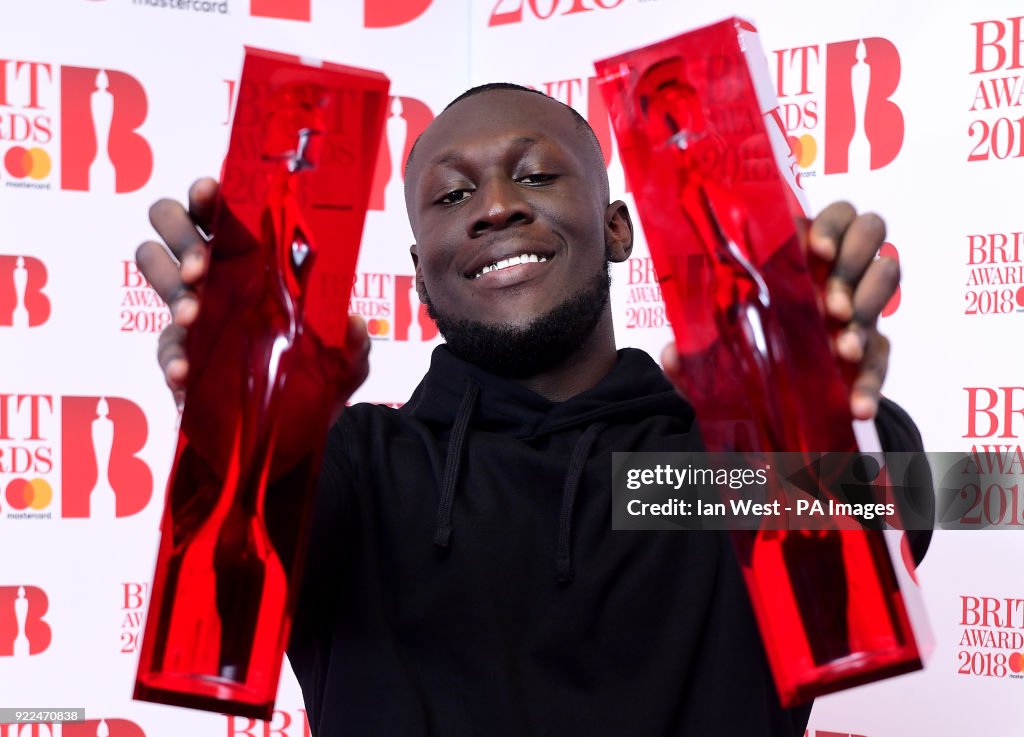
[{"x": 912, "y": 110}]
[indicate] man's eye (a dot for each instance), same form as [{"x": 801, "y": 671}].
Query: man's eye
[
  {"x": 539, "y": 178},
  {"x": 456, "y": 195}
]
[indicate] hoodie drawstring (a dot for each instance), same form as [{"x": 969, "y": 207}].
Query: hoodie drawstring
[
  {"x": 572, "y": 481},
  {"x": 456, "y": 446}
]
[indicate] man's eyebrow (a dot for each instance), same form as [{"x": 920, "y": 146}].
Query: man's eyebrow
[{"x": 454, "y": 156}]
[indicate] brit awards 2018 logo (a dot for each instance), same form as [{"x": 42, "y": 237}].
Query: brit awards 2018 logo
[
  {"x": 101, "y": 148},
  {"x": 991, "y": 637},
  {"x": 101, "y": 112},
  {"x": 860, "y": 127},
  {"x": 391, "y": 307},
  {"x": 102, "y": 473},
  {"x": 996, "y": 128},
  {"x": 995, "y": 419},
  {"x": 994, "y": 284},
  {"x": 99, "y": 470},
  {"x": 645, "y": 307},
  {"x": 23, "y": 301},
  {"x": 23, "y": 629},
  {"x": 142, "y": 310},
  {"x": 134, "y": 600}
]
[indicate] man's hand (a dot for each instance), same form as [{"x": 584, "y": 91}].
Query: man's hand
[
  {"x": 842, "y": 246},
  {"x": 855, "y": 292},
  {"x": 178, "y": 270}
]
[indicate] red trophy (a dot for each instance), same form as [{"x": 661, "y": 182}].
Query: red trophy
[
  {"x": 265, "y": 361},
  {"x": 716, "y": 187}
]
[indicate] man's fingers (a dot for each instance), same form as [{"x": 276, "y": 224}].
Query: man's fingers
[
  {"x": 159, "y": 268},
  {"x": 357, "y": 344},
  {"x": 672, "y": 366},
  {"x": 180, "y": 234},
  {"x": 357, "y": 356},
  {"x": 357, "y": 338},
  {"x": 860, "y": 243},
  {"x": 826, "y": 233},
  {"x": 867, "y": 386},
  {"x": 202, "y": 203},
  {"x": 880, "y": 281},
  {"x": 170, "y": 353},
  {"x": 163, "y": 274},
  {"x": 873, "y": 292}
]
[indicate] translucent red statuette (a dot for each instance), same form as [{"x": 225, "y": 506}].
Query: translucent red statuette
[
  {"x": 716, "y": 187},
  {"x": 265, "y": 362}
]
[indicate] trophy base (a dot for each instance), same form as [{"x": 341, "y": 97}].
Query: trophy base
[
  {"x": 205, "y": 692},
  {"x": 851, "y": 671}
]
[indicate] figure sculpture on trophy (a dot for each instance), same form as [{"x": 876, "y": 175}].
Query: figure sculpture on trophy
[
  {"x": 743, "y": 314},
  {"x": 245, "y": 560},
  {"x": 741, "y": 298},
  {"x": 715, "y": 185},
  {"x": 266, "y": 358}
]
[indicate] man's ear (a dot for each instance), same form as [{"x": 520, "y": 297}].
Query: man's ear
[
  {"x": 420, "y": 289},
  {"x": 618, "y": 232}
]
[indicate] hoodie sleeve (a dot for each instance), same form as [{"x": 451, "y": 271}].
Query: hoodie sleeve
[
  {"x": 315, "y": 612},
  {"x": 898, "y": 434}
]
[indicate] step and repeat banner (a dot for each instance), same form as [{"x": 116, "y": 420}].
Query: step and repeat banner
[{"x": 912, "y": 110}]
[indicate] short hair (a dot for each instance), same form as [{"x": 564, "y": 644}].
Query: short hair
[{"x": 581, "y": 123}]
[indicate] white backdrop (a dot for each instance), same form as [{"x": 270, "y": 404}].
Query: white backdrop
[{"x": 942, "y": 162}]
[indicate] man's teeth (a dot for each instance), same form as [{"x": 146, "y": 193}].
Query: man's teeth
[{"x": 526, "y": 258}]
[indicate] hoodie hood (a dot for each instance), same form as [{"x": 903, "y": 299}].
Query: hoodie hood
[
  {"x": 458, "y": 394},
  {"x": 635, "y": 388}
]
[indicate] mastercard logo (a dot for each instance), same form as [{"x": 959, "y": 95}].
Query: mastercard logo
[
  {"x": 1016, "y": 662},
  {"x": 805, "y": 149},
  {"x": 28, "y": 162},
  {"x": 25, "y": 494},
  {"x": 378, "y": 326}
]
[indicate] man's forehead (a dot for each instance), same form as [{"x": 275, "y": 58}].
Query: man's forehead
[{"x": 518, "y": 118}]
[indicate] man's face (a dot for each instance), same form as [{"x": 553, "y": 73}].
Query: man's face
[{"x": 511, "y": 222}]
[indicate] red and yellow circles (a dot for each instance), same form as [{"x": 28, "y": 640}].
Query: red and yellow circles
[
  {"x": 1016, "y": 662},
  {"x": 23, "y": 162},
  {"x": 805, "y": 149},
  {"x": 378, "y": 327},
  {"x": 25, "y": 494}
]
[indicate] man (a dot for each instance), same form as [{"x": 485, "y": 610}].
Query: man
[{"x": 462, "y": 576}]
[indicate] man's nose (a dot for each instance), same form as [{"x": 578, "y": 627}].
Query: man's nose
[{"x": 499, "y": 203}]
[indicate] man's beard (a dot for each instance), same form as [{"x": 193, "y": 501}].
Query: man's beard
[{"x": 545, "y": 342}]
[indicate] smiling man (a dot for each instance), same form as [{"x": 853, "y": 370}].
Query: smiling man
[{"x": 462, "y": 576}]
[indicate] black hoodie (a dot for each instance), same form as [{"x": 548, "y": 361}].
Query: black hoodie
[{"x": 463, "y": 577}]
